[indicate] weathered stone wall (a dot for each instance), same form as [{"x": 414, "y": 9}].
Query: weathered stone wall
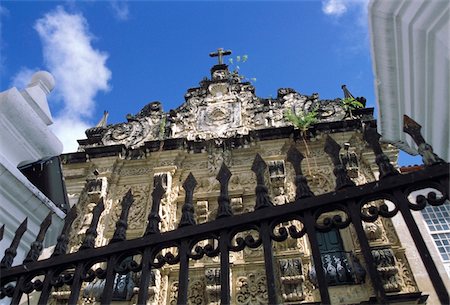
[{"x": 116, "y": 175}]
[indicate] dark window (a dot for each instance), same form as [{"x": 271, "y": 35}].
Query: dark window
[
  {"x": 334, "y": 259},
  {"x": 47, "y": 176}
]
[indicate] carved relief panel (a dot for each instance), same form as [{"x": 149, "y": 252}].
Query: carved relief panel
[
  {"x": 144, "y": 126},
  {"x": 219, "y": 119},
  {"x": 138, "y": 211},
  {"x": 251, "y": 289}
]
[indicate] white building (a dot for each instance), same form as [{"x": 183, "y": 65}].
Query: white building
[
  {"x": 411, "y": 62},
  {"x": 410, "y": 42},
  {"x": 26, "y": 138}
]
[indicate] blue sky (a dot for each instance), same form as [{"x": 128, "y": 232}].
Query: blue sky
[{"x": 119, "y": 56}]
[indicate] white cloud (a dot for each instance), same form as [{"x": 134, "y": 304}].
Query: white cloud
[
  {"x": 120, "y": 9},
  {"x": 338, "y": 8},
  {"x": 353, "y": 27},
  {"x": 80, "y": 71},
  {"x": 22, "y": 78},
  {"x": 69, "y": 129},
  {"x": 334, "y": 7}
]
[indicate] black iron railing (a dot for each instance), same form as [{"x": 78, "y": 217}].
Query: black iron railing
[
  {"x": 340, "y": 268},
  {"x": 348, "y": 205}
]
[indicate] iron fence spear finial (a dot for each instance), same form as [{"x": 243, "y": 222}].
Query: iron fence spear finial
[
  {"x": 295, "y": 157},
  {"x": 372, "y": 137},
  {"x": 262, "y": 197},
  {"x": 223, "y": 177},
  {"x": 187, "y": 216},
  {"x": 91, "y": 233},
  {"x": 332, "y": 149},
  {"x": 153, "y": 217},
  {"x": 36, "y": 246},
  {"x": 63, "y": 238},
  {"x": 11, "y": 252},
  {"x": 122, "y": 223}
]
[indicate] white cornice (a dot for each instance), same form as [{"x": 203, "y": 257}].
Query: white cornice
[{"x": 410, "y": 58}]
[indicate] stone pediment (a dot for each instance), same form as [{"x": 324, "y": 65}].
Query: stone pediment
[{"x": 221, "y": 107}]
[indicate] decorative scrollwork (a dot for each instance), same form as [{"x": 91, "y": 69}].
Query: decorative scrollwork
[
  {"x": 126, "y": 263},
  {"x": 100, "y": 273},
  {"x": 28, "y": 285},
  {"x": 282, "y": 228},
  {"x": 430, "y": 193},
  {"x": 374, "y": 206},
  {"x": 237, "y": 243},
  {"x": 7, "y": 291},
  {"x": 62, "y": 276},
  {"x": 164, "y": 255},
  {"x": 65, "y": 276},
  {"x": 206, "y": 245},
  {"x": 38, "y": 285},
  {"x": 335, "y": 216}
]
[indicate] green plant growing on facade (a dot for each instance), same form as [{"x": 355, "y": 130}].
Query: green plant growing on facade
[
  {"x": 349, "y": 104},
  {"x": 234, "y": 65},
  {"x": 303, "y": 121}
]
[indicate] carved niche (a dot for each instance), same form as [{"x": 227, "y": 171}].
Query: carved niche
[
  {"x": 349, "y": 160},
  {"x": 277, "y": 172},
  {"x": 277, "y": 177},
  {"x": 291, "y": 279},
  {"x": 385, "y": 261},
  {"x": 212, "y": 287}
]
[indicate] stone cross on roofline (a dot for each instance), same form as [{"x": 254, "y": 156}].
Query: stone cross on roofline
[{"x": 220, "y": 53}]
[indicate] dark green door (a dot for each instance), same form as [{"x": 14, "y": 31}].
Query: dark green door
[
  {"x": 330, "y": 241},
  {"x": 334, "y": 258}
]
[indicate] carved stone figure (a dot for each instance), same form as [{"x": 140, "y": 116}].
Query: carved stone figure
[
  {"x": 279, "y": 197},
  {"x": 291, "y": 279},
  {"x": 349, "y": 160},
  {"x": 386, "y": 265},
  {"x": 87, "y": 218}
]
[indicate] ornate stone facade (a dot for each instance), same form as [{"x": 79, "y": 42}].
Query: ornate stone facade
[{"x": 223, "y": 121}]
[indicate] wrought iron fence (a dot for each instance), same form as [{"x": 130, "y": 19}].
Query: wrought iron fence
[{"x": 349, "y": 205}]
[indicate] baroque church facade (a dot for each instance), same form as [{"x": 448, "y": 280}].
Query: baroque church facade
[{"x": 223, "y": 121}]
